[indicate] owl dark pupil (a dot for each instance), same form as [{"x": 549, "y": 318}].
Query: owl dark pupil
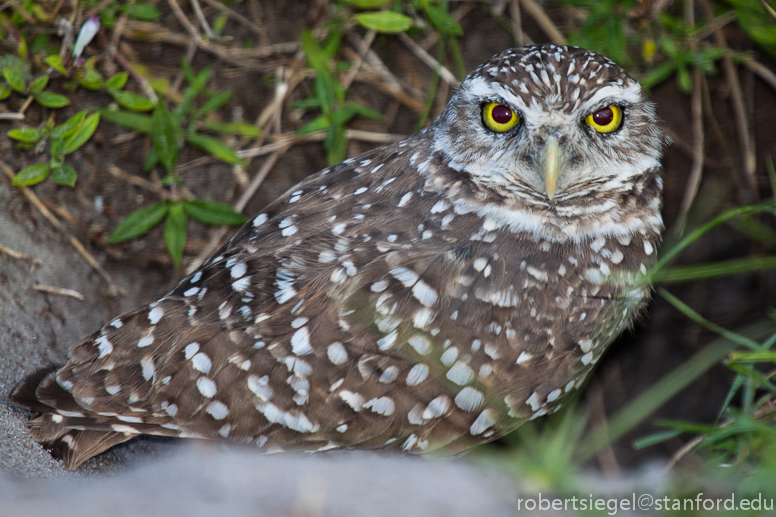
[
  {"x": 501, "y": 114},
  {"x": 603, "y": 117}
]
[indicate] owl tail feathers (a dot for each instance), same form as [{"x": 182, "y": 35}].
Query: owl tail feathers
[{"x": 40, "y": 393}]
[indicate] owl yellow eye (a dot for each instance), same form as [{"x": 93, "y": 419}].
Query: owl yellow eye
[
  {"x": 606, "y": 119},
  {"x": 499, "y": 118}
]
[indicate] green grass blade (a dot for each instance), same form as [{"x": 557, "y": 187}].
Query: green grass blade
[
  {"x": 715, "y": 269},
  {"x": 678, "y": 379}
]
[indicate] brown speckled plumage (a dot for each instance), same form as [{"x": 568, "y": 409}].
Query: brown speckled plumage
[{"x": 425, "y": 294}]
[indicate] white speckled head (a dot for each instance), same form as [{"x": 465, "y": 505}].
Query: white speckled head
[{"x": 552, "y": 90}]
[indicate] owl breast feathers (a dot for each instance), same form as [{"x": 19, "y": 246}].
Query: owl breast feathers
[{"x": 433, "y": 293}]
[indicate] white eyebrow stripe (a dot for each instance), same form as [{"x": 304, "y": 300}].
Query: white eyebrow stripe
[
  {"x": 631, "y": 94},
  {"x": 479, "y": 87}
]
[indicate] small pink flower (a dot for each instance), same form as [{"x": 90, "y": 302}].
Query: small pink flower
[{"x": 88, "y": 31}]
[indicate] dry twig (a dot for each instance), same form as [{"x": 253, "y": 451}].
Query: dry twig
[
  {"x": 58, "y": 290},
  {"x": 517, "y": 24},
  {"x": 696, "y": 109},
  {"x": 761, "y": 71},
  {"x": 237, "y": 16},
  {"x": 19, "y": 115},
  {"x": 446, "y": 75},
  {"x": 20, "y": 256},
  {"x": 289, "y": 139},
  {"x": 359, "y": 61},
  {"x": 544, "y": 21},
  {"x": 739, "y": 111}
]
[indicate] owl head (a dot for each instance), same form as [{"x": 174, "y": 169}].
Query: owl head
[{"x": 547, "y": 126}]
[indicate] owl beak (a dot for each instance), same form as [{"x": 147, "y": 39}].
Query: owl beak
[{"x": 552, "y": 162}]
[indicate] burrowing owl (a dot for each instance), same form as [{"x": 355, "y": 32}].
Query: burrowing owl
[{"x": 433, "y": 293}]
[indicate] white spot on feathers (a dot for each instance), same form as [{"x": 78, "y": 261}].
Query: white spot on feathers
[
  {"x": 104, "y": 346},
  {"x": 382, "y": 406},
  {"x": 155, "y": 315},
  {"x": 190, "y": 350},
  {"x": 337, "y": 353},
  {"x": 404, "y": 275},
  {"x": 201, "y": 362},
  {"x": 217, "y": 410},
  {"x": 469, "y": 399},
  {"x": 417, "y": 374},
  {"x": 460, "y": 373},
  {"x": 239, "y": 270},
  {"x": 147, "y": 364},
  {"x": 206, "y": 387},
  {"x": 483, "y": 422},
  {"x": 145, "y": 341},
  {"x": 424, "y": 293},
  {"x": 300, "y": 342},
  {"x": 354, "y": 400},
  {"x": 260, "y": 387}
]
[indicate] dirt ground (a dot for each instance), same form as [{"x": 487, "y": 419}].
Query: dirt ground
[{"x": 91, "y": 210}]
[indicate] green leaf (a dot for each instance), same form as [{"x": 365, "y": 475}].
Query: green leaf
[
  {"x": 327, "y": 89},
  {"x": 196, "y": 85},
  {"x": 683, "y": 78},
  {"x": 216, "y": 148},
  {"x": 219, "y": 24},
  {"x": 51, "y": 100},
  {"x": 90, "y": 78},
  {"x": 57, "y": 63},
  {"x": 152, "y": 160},
  {"x": 133, "y": 121},
  {"x": 5, "y": 91},
  {"x": 56, "y": 148},
  {"x": 215, "y": 102},
  {"x": 138, "y": 223},
  {"x": 753, "y": 357},
  {"x": 117, "y": 82},
  {"x": 188, "y": 73},
  {"x": 83, "y": 134},
  {"x": 214, "y": 213},
  {"x": 31, "y": 175},
  {"x": 13, "y": 75},
  {"x": 384, "y": 21},
  {"x": 39, "y": 83},
  {"x": 364, "y": 111},
  {"x": 442, "y": 20},
  {"x": 658, "y": 74},
  {"x": 163, "y": 136},
  {"x": 233, "y": 128},
  {"x": 715, "y": 269},
  {"x": 64, "y": 175},
  {"x": 27, "y": 135},
  {"x": 336, "y": 144},
  {"x": 341, "y": 116},
  {"x": 304, "y": 104},
  {"x": 175, "y": 232},
  {"x": 654, "y": 439},
  {"x": 317, "y": 124},
  {"x": 131, "y": 100},
  {"x": 367, "y": 4},
  {"x": 68, "y": 127},
  {"x": 142, "y": 11}
]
